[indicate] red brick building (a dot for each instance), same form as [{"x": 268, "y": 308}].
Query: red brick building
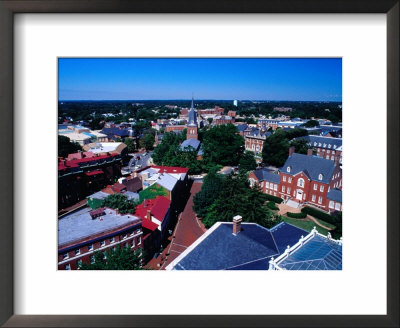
[
  {"x": 78, "y": 178},
  {"x": 85, "y": 231},
  {"x": 223, "y": 119},
  {"x": 254, "y": 140},
  {"x": 303, "y": 178},
  {"x": 170, "y": 128}
]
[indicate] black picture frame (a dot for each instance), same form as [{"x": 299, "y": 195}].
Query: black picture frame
[{"x": 7, "y": 10}]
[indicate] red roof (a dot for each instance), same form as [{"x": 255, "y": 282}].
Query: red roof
[
  {"x": 118, "y": 187},
  {"x": 171, "y": 169},
  {"x": 160, "y": 207},
  {"x": 94, "y": 172},
  {"x": 74, "y": 162},
  {"x": 141, "y": 210},
  {"x": 149, "y": 225}
]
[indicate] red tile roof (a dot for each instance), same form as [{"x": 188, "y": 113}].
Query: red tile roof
[
  {"x": 94, "y": 172},
  {"x": 118, "y": 187},
  {"x": 149, "y": 225},
  {"x": 171, "y": 169},
  {"x": 160, "y": 207}
]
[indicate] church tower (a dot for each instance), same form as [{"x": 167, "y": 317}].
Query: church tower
[{"x": 192, "y": 124}]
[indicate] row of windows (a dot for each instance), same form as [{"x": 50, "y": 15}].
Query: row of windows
[
  {"x": 102, "y": 244},
  {"x": 320, "y": 145},
  {"x": 271, "y": 185},
  {"x": 313, "y": 197},
  {"x": 333, "y": 205},
  {"x": 321, "y": 187},
  {"x": 289, "y": 178}
]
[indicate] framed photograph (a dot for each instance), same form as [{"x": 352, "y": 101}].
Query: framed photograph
[{"x": 107, "y": 90}]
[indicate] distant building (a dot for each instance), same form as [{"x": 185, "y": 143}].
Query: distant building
[
  {"x": 85, "y": 231},
  {"x": 235, "y": 103},
  {"x": 254, "y": 139},
  {"x": 283, "y": 109},
  {"x": 326, "y": 147},
  {"x": 104, "y": 148},
  {"x": 232, "y": 113},
  {"x": 223, "y": 119},
  {"x": 267, "y": 123}
]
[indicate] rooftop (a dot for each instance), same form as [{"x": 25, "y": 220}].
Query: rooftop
[
  {"x": 319, "y": 253},
  {"x": 250, "y": 249},
  {"x": 335, "y": 194},
  {"x": 267, "y": 175},
  {"x": 79, "y": 225},
  {"x": 311, "y": 165},
  {"x": 190, "y": 143}
]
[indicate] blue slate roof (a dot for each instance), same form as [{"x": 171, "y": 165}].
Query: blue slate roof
[
  {"x": 115, "y": 131},
  {"x": 267, "y": 175},
  {"x": 317, "y": 254},
  {"x": 335, "y": 194},
  {"x": 242, "y": 127},
  {"x": 190, "y": 143},
  {"x": 192, "y": 117},
  {"x": 311, "y": 165},
  {"x": 250, "y": 249}
]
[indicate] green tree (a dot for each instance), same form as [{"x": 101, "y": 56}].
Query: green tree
[
  {"x": 115, "y": 259},
  {"x": 65, "y": 146},
  {"x": 210, "y": 189},
  {"x": 276, "y": 147},
  {"x": 120, "y": 202},
  {"x": 247, "y": 162},
  {"x": 237, "y": 198},
  {"x": 130, "y": 144},
  {"x": 222, "y": 145},
  {"x": 311, "y": 124},
  {"x": 300, "y": 146},
  {"x": 118, "y": 139},
  {"x": 147, "y": 141}
]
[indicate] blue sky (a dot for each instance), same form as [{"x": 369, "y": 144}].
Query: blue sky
[{"x": 311, "y": 79}]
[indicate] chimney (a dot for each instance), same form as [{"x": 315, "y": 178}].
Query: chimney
[
  {"x": 309, "y": 152},
  {"x": 291, "y": 151},
  {"x": 237, "y": 220},
  {"x": 148, "y": 215}
]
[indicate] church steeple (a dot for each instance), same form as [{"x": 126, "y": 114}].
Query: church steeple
[{"x": 192, "y": 124}]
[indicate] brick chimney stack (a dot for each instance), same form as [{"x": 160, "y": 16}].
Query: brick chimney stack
[
  {"x": 291, "y": 151},
  {"x": 237, "y": 220},
  {"x": 148, "y": 215},
  {"x": 309, "y": 152}
]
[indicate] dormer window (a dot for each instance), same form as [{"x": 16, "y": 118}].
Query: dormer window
[
  {"x": 288, "y": 169},
  {"x": 329, "y": 146},
  {"x": 320, "y": 176},
  {"x": 334, "y": 146}
]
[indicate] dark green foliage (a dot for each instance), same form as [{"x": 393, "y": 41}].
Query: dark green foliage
[
  {"x": 300, "y": 146},
  {"x": 222, "y": 145},
  {"x": 152, "y": 192},
  {"x": 97, "y": 123},
  {"x": 311, "y": 124},
  {"x": 164, "y": 153},
  {"x": 130, "y": 144},
  {"x": 212, "y": 186},
  {"x": 300, "y": 215},
  {"x": 147, "y": 141},
  {"x": 94, "y": 203},
  {"x": 237, "y": 198},
  {"x": 65, "y": 146},
  {"x": 116, "y": 259},
  {"x": 274, "y": 198},
  {"x": 271, "y": 205},
  {"x": 276, "y": 147},
  {"x": 120, "y": 202},
  {"x": 321, "y": 215},
  {"x": 337, "y": 233},
  {"x": 247, "y": 162}
]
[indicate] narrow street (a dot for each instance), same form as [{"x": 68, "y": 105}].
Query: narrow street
[{"x": 187, "y": 230}]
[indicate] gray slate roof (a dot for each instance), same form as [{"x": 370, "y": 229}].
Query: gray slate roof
[
  {"x": 335, "y": 194},
  {"x": 267, "y": 175},
  {"x": 190, "y": 143},
  {"x": 323, "y": 142},
  {"x": 311, "y": 165},
  {"x": 192, "y": 117},
  {"x": 79, "y": 224},
  {"x": 242, "y": 127}
]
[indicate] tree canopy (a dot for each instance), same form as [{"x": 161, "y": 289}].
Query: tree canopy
[
  {"x": 115, "y": 259},
  {"x": 300, "y": 146},
  {"x": 311, "y": 124},
  {"x": 234, "y": 197},
  {"x": 65, "y": 146},
  {"x": 247, "y": 162},
  {"x": 212, "y": 186},
  {"x": 147, "y": 141},
  {"x": 276, "y": 147},
  {"x": 120, "y": 202},
  {"x": 222, "y": 145},
  {"x": 130, "y": 144}
]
